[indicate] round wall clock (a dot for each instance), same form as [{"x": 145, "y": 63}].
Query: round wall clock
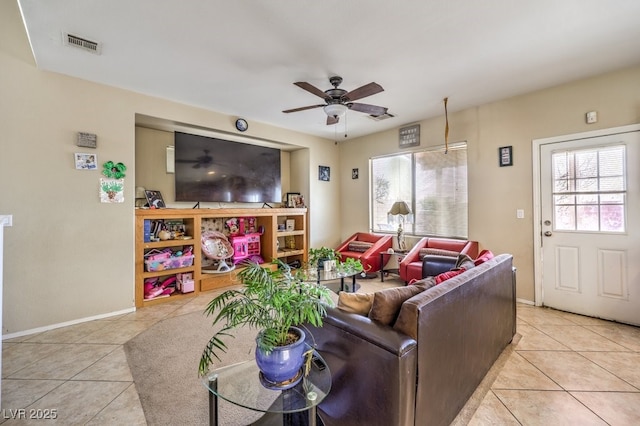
[{"x": 241, "y": 124}]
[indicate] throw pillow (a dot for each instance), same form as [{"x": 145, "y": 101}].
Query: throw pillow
[
  {"x": 359, "y": 246},
  {"x": 449, "y": 274},
  {"x": 464, "y": 262},
  {"x": 356, "y": 303},
  {"x": 483, "y": 257},
  {"x": 387, "y": 303},
  {"x": 440, "y": 252}
]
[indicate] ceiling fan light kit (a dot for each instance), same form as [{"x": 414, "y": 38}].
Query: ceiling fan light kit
[
  {"x": 338, "y": 101},
  {"x": 335, "y": 110}
]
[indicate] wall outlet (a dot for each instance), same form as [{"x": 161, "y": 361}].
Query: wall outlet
[
  {"x": 592, "y": 117},
  {"x": 520, "y": 214}
]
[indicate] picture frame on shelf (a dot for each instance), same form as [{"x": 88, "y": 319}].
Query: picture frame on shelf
[
  {"x": 154, "y": 199},
  {"x": 505, "y": 156},
  {"x": 291, "y": 199}
]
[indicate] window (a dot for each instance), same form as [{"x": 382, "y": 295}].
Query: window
[
  {"x": 433, "y": 183},
  {"x": 589, "y": 189}
]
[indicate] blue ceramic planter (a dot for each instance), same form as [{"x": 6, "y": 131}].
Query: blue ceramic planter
[{"x": 283, "y": 363}]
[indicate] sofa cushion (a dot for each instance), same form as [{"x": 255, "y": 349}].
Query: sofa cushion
[
  {"x": 440, "y": 252},
  {"x": 357, "y": 303},
  {"x": 359, "y": 246},
  {"x": 387, "y": 303}
]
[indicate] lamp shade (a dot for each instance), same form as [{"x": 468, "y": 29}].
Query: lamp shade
[
  {"x": 335, "y": 110},
  {"x": 400, "y": 207}
]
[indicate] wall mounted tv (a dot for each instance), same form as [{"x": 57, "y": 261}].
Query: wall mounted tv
[{"x": 211, "y": 169}]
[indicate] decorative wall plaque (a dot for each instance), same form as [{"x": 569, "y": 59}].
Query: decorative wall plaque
[
  {"x": 410, "y": 136},
  {"x": 87, "y": 140}
]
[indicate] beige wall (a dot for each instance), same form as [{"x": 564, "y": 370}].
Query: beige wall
[
  {"x": 67, "y": 256},
  {"x": 496, "y": 192}
]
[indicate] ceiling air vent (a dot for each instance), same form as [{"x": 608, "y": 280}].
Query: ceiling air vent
[
  {"x": 381, "y": 117},
  {"x": 82, "y": 43}
]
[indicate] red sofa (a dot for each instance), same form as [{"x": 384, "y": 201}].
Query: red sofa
[
  {"x": 365, "y": 247},
  {"x": 411, "y": 264}
]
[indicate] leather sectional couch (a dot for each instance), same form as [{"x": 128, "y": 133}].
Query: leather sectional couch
[
  {"x": 410, "y": 268},
  {"x": 422, "y": 368}
]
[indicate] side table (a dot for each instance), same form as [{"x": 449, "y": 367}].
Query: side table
[
  {"x": 240, "y": 384},
  {"x": 398, "y": 254}
]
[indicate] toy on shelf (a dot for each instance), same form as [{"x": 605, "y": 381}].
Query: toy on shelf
[
  {"x": 154, "y": 288},
  {"x": 215, "y": 246}
]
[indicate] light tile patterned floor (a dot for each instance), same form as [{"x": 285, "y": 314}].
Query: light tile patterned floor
[{"x": 565, "y": 369}]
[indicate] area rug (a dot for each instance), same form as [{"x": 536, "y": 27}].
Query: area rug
[{"x": 164, "y": 363}]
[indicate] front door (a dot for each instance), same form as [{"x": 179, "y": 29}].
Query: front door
[{"x": 590, "y": 225}]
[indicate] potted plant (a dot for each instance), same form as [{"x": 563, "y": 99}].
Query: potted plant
[
  {"x": 274, "y": 302},
  {"x": 319, "y": 255}
]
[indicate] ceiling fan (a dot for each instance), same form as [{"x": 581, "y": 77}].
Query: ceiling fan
[{"x": 337, "y": 101}]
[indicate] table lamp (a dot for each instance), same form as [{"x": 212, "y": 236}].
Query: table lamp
[{"x": 403, "y": 211}]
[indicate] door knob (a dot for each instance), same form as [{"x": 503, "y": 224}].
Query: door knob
[{"x": 547, "y": 234}]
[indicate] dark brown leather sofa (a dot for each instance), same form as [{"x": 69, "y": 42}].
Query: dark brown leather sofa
[{"x": 424, "y": 376}]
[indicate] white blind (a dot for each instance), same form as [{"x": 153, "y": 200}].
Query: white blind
[{"x": 433, "y": 183}]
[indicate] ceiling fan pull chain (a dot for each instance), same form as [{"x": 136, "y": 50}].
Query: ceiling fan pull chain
[{"x": 446, "y": 127}]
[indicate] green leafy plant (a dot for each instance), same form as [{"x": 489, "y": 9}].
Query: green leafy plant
[
  {"x": 352, "y": 265},
  {"x": 269, "y": 301},
  {"x": 322, "y": 254}
]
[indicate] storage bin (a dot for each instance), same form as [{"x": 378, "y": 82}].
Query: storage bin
[{"x": 169, "y": 263}]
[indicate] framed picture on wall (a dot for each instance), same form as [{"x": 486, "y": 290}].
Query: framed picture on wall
[
  {"x": 505, "y": 155},
  {"x": 324, "y": 173}
]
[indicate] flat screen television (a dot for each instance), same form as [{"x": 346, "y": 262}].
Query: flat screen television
[{"x": 217, "y": 170}]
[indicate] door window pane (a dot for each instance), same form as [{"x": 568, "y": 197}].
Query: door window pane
[{"x": 590, "y": 189}]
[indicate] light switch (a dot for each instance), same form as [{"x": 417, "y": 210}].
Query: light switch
[
  {"x": 520, "y": 214},
  {"x": 592, "y": 117}
]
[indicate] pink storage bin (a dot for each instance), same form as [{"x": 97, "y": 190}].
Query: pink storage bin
[{"x": 170, "y": 263}]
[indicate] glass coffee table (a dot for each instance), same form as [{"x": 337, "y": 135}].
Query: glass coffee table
[
  {"x": 240, "y": 384},
  {"x": 321, "y": 276}
]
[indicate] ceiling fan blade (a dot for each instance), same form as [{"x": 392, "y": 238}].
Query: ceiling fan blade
[
  {"x": 311, "y": 89},
  {"x": 364, "y": 91},
  {"x": 303, "y": 108},
  {"x": 332, "y": 120},
  {"x": 368, "y": 109}
]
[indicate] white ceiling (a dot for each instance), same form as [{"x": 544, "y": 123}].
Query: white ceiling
[{"x": 241, "y": 57}]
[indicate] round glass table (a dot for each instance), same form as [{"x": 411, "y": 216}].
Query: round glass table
[{"x": 240, "y": 384}]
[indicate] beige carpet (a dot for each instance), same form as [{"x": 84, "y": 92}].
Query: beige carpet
[{"x": 164, "y": 364}]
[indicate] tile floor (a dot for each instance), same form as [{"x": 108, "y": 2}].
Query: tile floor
[{"x": 564, "y": 369}]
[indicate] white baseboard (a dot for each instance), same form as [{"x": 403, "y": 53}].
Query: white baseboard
[
  {"x": 66, "y": 324},
  {"x": 525, "y": 302}
]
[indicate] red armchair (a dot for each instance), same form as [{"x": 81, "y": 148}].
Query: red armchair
[
  {"x": 411, "y": 264},
  {"x": 365, "y": 247}
]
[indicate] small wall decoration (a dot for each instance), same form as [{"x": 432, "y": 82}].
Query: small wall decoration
[
  {"x": 87, "y": 140},
  {"x": 354, "y": 173},
  {"x": 505, "y": 156},
  {"x": 111, "y": 190},
  {"x": 154, "y": 199},
  {"x": 324, "y": 173},
  {"x": 409, "y": 136},
  {"x": 114, "y": 170},
  {"x": 86, "y": 161}
]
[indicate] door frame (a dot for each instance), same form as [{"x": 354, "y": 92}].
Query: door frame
[{"x": 537, "y": 194}]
